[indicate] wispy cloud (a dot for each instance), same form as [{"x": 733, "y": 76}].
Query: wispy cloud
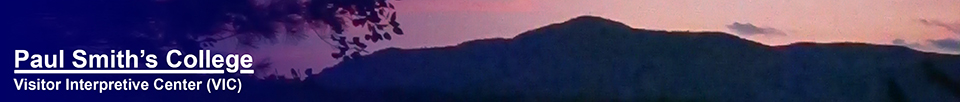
[
  {"x": 947, "y": 44},
  {"x": 471, "y": 6},
  {"x": 952, "y": 27},
  {"x": 750, "y": 29},
  {"x": 902, "y": 42}
]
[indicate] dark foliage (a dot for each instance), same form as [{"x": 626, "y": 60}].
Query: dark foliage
[{"x": 193, "y": 24}]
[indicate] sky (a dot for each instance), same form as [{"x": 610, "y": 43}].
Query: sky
[{"x": 926, "y": 25}]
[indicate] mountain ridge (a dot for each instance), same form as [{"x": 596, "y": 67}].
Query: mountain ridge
[
  {"x": 596, "y": 59},
  {"x": 594, "y": 19}
]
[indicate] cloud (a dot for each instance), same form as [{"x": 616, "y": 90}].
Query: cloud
[
  {"x": 899, "y": 41},
  {"x": 749, "y": 29},
  {"x": 471, "y": 6},
  {"x": 902, "y": 42},
  {"x": 947, "y": 44},
  {"x": 952, "y": 27}
]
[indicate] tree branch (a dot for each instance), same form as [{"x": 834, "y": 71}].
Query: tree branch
[{"x": 322, "y": 38}]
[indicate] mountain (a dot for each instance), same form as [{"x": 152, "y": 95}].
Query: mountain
[{"x": 596, "y": 59}]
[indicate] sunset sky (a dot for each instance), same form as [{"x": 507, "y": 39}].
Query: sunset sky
[{"x": 920, "y": 24}]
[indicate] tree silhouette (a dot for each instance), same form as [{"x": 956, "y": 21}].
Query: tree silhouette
[{"x": 194, "y": 24}]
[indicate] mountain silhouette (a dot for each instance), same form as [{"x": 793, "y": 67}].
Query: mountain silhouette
[{"x": 595, "y": 59}]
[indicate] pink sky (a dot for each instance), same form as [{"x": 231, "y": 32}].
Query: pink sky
[
  {"x": 432, "y": 23},
  {"x": 868, "y": 21}
]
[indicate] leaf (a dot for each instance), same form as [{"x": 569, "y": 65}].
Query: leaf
[
  {"x": 358, "y": 22},
  {"x": 336, "y": 55},
  {"x": 294, "y": 72},
  {"x": 373, "y": 18},
  {"x": 343, "y": 49},
  {"x": 381, "y": 2},
  {"x": 371, "y": 29},
  {"x": 394, "y": 24},
  {"x": 376, "y": 37},
  {"x": 393, "y": 16},
  {"x": 356, "y": 41},
  {"x": 387, "y": 36},
  {"x": 308, "y": 72},
  {"x": 338, "y": 30},
  {"x": 355, "y": 55},
  {"x": 398, "y": 31},
  {"x": 361, "y": 45},
  {"x": 342, "y": 42},
  {"x": 393, "y": 20}
]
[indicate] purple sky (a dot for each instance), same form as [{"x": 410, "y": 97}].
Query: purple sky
[{"x": 919, "y": 24}]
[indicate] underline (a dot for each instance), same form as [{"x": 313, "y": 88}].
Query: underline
[{"x": 199, "y": 71}]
